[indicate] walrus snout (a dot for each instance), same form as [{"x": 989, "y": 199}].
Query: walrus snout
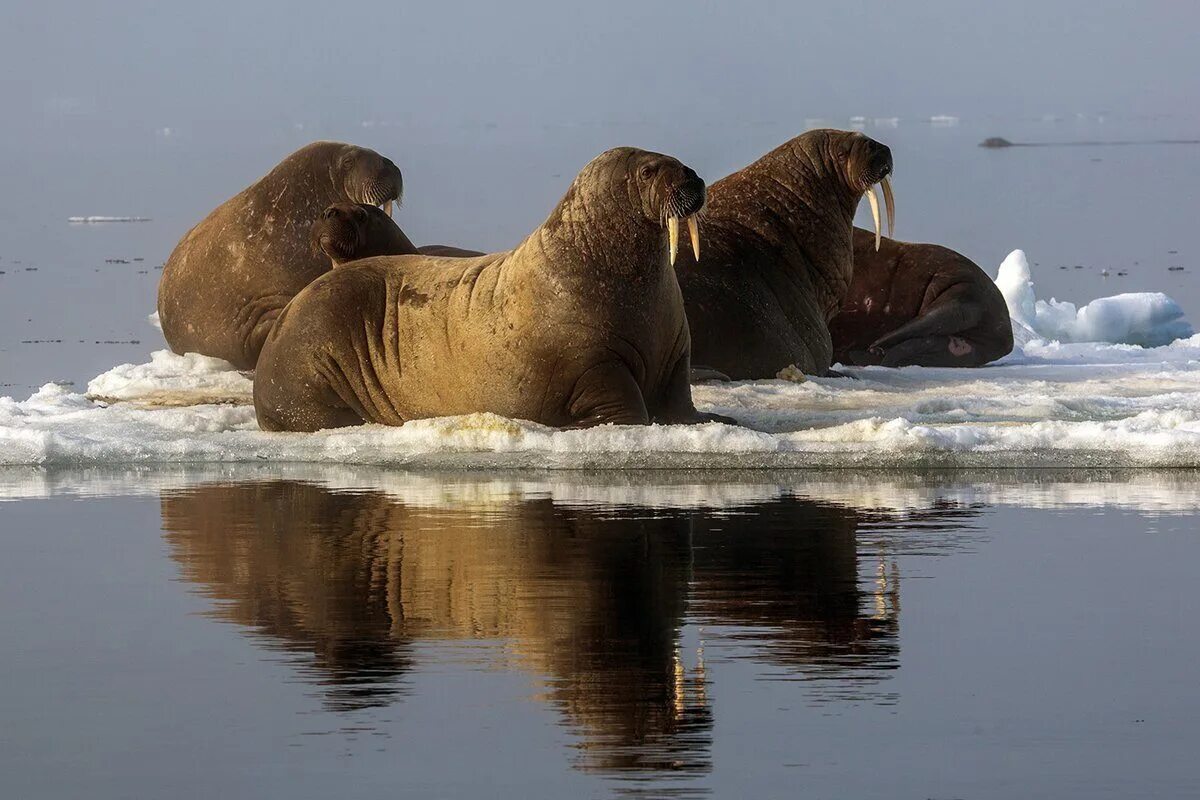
[
  {"x": 374, "y": 179},
  {"x": 686, "y": 193}
]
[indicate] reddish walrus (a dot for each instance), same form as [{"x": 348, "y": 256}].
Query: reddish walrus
[
  {"x": 581, "y": 324},
  {"x": 919, "y": 304},
  {"x": 778, "y": 254},
  {"x": 231, "y": 275}
]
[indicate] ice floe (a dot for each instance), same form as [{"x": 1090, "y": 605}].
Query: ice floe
[
  {"x": 1049, "y": 405},
  {"x": 1054, "y": 402},
  {"x": 1146, "y": 319},
  {"x": 895, "y": 493}
]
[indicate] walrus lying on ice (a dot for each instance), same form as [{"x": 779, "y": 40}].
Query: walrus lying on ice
[
  {"x": 581, "y": 324},
  {"x": 778, "y": 254},
  {"x": 231, "y": 275},
  {"x": 919, "y": 304}
]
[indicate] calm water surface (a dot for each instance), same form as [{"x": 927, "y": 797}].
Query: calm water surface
[{"x": 306, "y": 633}]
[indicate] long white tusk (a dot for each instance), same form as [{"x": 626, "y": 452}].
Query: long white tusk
[
  {"x": 694, "y": 232},
  {"x": 889, "y": 203},
  {"x": 387, "y": 207},
  {"x": 673, "y": 236},
  {"x": 874, "y": 213}
]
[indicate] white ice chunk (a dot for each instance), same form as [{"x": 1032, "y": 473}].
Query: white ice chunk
[
  {"x": 173, "y": 380},
  {"x": 1146, "y": 319}
]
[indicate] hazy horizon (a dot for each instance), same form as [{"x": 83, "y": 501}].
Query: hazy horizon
[{"x": 143, "y": 65}]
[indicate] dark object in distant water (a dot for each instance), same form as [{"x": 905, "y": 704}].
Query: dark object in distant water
[
  {"x": 1122, "y": 274},
  {"x": 997, "y": 142},
  {"x": 1174, "y": 269}
]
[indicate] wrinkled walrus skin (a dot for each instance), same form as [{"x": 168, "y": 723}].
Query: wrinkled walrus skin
[
  {"x": 919, "y": 304},
  {"x": 582, "y": 324},
  {"x": 231, "y": 275},
  {"x": 777, "y": 256}
]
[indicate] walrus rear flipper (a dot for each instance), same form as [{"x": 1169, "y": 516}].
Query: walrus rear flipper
[
  {"x": 952, "y": 314},
  {"x": 935, "y": 351}
]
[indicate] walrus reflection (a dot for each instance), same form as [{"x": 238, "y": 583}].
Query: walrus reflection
[
  {"x": 591, "y": 602},
  {"x": 794, "y": 588},
  {"x": 589, "y": 598}
]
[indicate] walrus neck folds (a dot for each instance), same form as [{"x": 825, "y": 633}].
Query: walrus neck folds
[
  {"x": 792, "y": 211},
  {"x": 575, "y": 233}
]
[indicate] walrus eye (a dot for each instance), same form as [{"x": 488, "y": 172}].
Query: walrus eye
[{"x": 645, "y": 172}]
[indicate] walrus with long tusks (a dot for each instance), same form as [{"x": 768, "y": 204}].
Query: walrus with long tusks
[
  {"x": 581, "y": 324},
  {"x": 919, "y": 304},
  {"x": 778, "y": 254},
  {"x": 231, "y": 275},
  {"x": 349, "y": 231}
]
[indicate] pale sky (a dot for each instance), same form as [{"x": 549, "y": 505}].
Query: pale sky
[{"x": 154, "y": 63}]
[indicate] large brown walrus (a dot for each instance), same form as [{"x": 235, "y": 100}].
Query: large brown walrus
[
  {"x": 582, "y": 324},
  {"x": 778, "y": 254},
  {"x": 231, "y": 275},
  {"x": 349, "y": 231},
  {"x": 919, "y": 304}
]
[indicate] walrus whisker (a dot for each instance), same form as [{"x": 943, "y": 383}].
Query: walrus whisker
[
  {"x": 874, "y": 212},
  {"x": 889, "y": 203}
]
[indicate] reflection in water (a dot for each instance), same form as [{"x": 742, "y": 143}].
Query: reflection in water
[{"x": 589, "y": 597}]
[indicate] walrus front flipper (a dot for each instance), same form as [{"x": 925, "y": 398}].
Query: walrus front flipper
[
  {"x": 607, "y": 393},
  {"x": 678, "y": 408},
  {"x": 953, "y": 312},
  {"x": 702, "y": 374}
]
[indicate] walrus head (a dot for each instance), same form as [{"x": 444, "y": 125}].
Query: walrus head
[
  {"x": 367, "y": 177},
  {"x": 660, "y": 190},
  {"x": 861, "y": 162},
  {"x": 670, "y": 191},
  {"x": 349, "y": 231}
]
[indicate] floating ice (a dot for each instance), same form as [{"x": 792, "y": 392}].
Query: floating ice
[
  {"x": 173, "y": 380},
  {"x": 891, "y": 492},
  {"x": 1146, "y": 319},
  {"x": 96, "y": 219},
  {"x": 1048, "y": 405}
]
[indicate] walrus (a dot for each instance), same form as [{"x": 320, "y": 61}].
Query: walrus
[
  {"x": 919, "y": 304},
  {"x": 349, "y": 231},
  {"x": 231, "y": 275},
  {"x": 778, "y": 254},
  {"x": 582, "y": 324}
]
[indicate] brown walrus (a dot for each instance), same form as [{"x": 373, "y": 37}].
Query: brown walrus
[
  {"x": 349, "y": 231},
  {"x": 231, "y": 275},
  {"x": 919, "y": 304},
  {"x": 778, "y": 254},
  {"x": 581, "y": 324}
]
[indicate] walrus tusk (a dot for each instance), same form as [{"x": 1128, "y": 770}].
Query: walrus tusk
[
  {"x": 874, "y": 212},
  {"x": 889, "y": 203},
  {"x": 694, "y": 232},
  {"x": 386, "y": 205},
  {"x": 673, "y": 236}
]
